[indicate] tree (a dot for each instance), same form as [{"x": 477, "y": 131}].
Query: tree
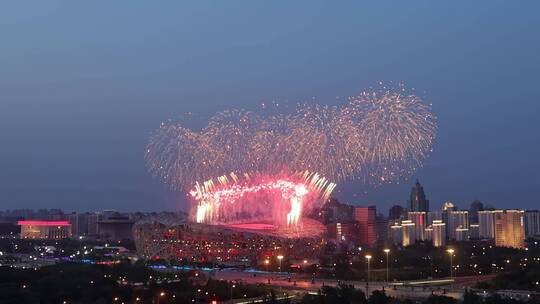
[
  {"x": 378, "y": 297},
  {"x": 471, "y": 298},
  {"x": 435, "y": 299},
  {"x": 348, "y": 294}
]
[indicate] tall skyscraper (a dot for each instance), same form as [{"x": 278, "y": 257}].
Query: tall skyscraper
[
  {"x": 439, "y": 233},
  {"x": 433, "y": 216},
  {"x": 86, "y": 224},
  {"x": 74, "y": 222},
  {"x": 366, "y": 218},
  {"x": 486, "y": 223},
  {"x": 396, "y": 212},
  {"x": 93, "y": 229},
  {"x": 418, "y": 201},
  {"x": 334, "y": 211},
  {"x": 428, "y": 233},
  {"x": 532, "y": 223},
  {"x": 409, "y": 236},
  {"x": 476, "y": 206},
  {"x": 448, "y": 206},
  {"x": 343, "y": 232},
  {"x": 509, "y": 229},
  {"x": 381, "y": 227},
  {"x": 455, "y": 220},
  {"x": 419, "y": 218},
  {"x": 474, "y": 231},
  {"x": 461, "y": 234},
  {"x": 396, "y": 234}
]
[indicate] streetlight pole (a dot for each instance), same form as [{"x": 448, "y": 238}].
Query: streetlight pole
[
  {"x": 451, "y": 252},
  {"x": 387, "y": 251},
  {"x": 368, "y": 258},
  {"x": 280, "y": 257},
  {"x": 161, "y": 294},
  {"x": 232, "y": 286}
]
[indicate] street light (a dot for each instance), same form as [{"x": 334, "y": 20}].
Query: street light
[
  {"x": 305, "y": 264},
  {"x": 387, "y": 251},
  {"x": 280, "y": 258},
  {"x": 161, "y": 294},
  {"x": 368, "y": 258},
  {"x": 451, "y": 252},
  {"x": 232, "y": 286},
  {"x": 266, "y": 262}
]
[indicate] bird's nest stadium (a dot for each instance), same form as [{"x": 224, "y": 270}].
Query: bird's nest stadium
[{"x": 171, "y": 238}]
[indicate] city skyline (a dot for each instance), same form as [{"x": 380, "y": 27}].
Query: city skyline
[
  {"x": 79, "y": 103},
  {"x": 269, "y": 152}
]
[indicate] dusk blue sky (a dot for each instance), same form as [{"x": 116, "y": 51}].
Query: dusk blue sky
[{"x": 83, "y": 85}]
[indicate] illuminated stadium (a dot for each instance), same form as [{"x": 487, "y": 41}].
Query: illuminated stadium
[
  {"x": 252, "y": 179},
  {"x": 239, "y": 220},
  {"x": 173, "y": 239}
]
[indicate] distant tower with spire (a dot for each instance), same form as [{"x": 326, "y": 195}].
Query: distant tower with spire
[{"x": 418, "y": 201}]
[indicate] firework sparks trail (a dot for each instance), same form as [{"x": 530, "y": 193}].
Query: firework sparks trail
[
  {"x": 399, "y": 128},
  {"x": 376, "y": 137},
  {"x": 288, "y": 194}
]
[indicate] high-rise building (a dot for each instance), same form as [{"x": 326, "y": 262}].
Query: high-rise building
[
  {"x": 82, "y": 224},
  {"x": 461, "y": 234},
  {"x": 486, "y": 224},
  {"x": 428, "y": 233},
  {"x": 93, "y": 230},
  {"x": 73, "y": 221},
  {"x": 419, "y": 218},
  {"x": 396, "y": 212},
  {"x": 409, "y": 237},
  {"x": 334, "y": 211},
  {"x": 433, "y": 216},
  {"x": 418, "y": 201},
  {"x": 86, "y": 224},
  {"x": 476, "y": 206},
  {"x": 439, "y": 233},
  {"x": 381, "y": 227},
  {"x": 343, "y": 232},
  {"x": 448, "y": 206},
  {"x": 509, "y": 229},
  {"x": 115, "y": 227},
  {"x": 396, "y": 234},
  {"x": 366, "y": 218},
  {"x": 454, "y": 220},
  {"x": 325, "y": 215},
  {"x": 474, "y": 231},
  {"x": 532, "y": 223}
]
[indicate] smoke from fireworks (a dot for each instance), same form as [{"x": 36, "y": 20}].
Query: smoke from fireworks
[{"x": 377, "y": 136}]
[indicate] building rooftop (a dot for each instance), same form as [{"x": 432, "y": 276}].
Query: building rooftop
[{"x": 43, "y": 223}]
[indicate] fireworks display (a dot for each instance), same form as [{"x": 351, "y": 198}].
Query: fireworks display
[
  {"x": 280, "y": 199},
  {"x": 375, "y": 137},
  {"x": 397, "y": 131}
]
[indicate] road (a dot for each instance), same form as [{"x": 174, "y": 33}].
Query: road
[{"x": 410, "y": 289}]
